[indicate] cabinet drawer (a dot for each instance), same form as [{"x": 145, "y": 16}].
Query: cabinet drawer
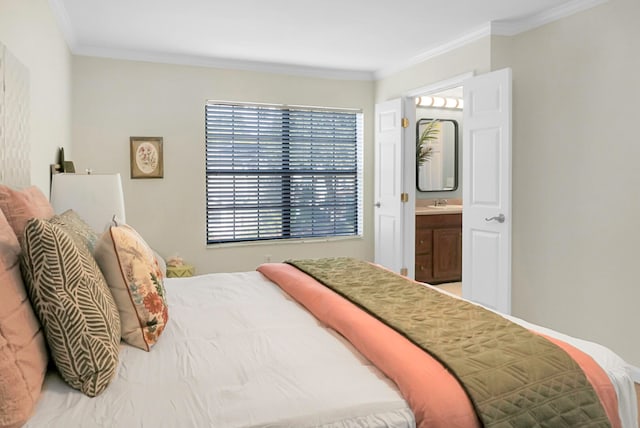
[
  {"x": 438, "y": 220},
  {"x": 424, "y": 240},
  {"x": 424, "y": 268}
]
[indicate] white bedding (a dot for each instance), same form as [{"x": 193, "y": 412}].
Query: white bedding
[{"x": 238, "y": 352}]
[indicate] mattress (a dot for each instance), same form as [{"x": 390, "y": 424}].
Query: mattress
[{"x": 237, "y": 352}]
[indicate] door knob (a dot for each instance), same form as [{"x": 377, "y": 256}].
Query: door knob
[
  {"x": 499, "y": 218},
  {"x": 378, "y": 205}
]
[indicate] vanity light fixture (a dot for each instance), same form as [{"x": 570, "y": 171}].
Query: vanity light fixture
[{"x": 440, "y": 102}]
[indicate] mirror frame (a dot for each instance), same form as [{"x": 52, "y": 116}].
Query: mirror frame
[{"x": 455, "y": 157}]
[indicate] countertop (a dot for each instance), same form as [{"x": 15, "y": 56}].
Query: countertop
[{"x": 432, "y": 210}]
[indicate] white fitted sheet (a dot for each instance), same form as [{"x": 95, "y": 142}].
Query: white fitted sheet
[{"x": 237, "y": 352}]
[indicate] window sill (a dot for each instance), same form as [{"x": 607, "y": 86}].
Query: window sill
[{"x": 285, "y": 242}]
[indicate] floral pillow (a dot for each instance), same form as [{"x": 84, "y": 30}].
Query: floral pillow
[{"x": 135, "y": 280}]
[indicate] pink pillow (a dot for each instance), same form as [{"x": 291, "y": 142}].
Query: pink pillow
[
  {"x": 19, "y": 206},
  {"x": 23, "y": 355},
  {"x": 135, "y": 279}
]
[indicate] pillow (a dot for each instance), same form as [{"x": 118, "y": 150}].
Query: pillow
[
  {"x": 76, "y": 228},
  {"x": 21, "y": 205},
  {"x": 162, "y": 264},
  {"x": 23, "y": 354},
  {"x": 135, "y": 279},
  {"x": 68, "y": 292}
]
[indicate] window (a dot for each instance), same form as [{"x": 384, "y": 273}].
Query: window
[{"x": 281, "y": 172}]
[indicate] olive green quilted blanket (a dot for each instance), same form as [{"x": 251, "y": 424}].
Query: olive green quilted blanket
[{"x": 514, "y": 378}]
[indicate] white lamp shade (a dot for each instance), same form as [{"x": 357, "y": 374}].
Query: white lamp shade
[{"x": 95, "y": 197}]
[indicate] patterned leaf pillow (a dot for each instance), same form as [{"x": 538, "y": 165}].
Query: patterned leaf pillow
[
  {"x": 76, "y": 309},
  {"x": 135, "y": 279}
]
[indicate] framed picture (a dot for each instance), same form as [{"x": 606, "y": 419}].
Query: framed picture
[{"x": 146, "y": 157}]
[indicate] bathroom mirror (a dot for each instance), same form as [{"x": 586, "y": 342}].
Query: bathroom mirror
[{"x": 437, "y": 155}]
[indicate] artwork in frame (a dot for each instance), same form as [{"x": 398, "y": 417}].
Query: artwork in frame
[{"x": 146, "y": 157}]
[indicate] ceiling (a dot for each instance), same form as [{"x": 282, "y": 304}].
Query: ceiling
[{"x": 362, "y": 38}]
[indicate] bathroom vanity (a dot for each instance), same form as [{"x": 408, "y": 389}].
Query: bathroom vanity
[{"x": 439, "y": 244}]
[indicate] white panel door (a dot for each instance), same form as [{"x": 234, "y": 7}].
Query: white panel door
[
  {"x": 388, "y": 184},
  {"x": 486, "y": 164}
]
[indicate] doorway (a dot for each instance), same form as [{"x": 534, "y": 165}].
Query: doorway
[
  {"x": 429, "y": 102},
  {"x": 438, "y": 197},
  {"x": 486, "y": 185}
]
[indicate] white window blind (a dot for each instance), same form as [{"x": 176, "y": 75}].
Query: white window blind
[{"x": 276, "y": 172}]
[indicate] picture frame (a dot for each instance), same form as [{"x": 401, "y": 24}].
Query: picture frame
[{"x": 146, "y": 157}]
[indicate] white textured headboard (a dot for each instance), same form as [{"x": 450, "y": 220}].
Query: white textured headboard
[{"x": 15, "y": 153}]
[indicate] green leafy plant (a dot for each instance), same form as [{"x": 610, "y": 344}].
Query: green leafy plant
[{"x": 423, "y": 148}]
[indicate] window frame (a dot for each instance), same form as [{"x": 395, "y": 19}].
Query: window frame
[{"x": 286, "y": 235}]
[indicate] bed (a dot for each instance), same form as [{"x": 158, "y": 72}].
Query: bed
[
  {"x": 240, "y": 352},
  {"x": 227, "y": 349}
]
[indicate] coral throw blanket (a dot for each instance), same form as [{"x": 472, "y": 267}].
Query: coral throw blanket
[{"x": 456, "y": 364}]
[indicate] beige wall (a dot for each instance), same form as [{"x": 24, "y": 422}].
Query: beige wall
[
  {"x": 576, "y": 180},
  {"x": 29, "y": 30},
  {"x": 115, "y": 99}
]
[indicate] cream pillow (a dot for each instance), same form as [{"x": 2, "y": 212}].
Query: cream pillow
[{"x": 136, "y": 282}]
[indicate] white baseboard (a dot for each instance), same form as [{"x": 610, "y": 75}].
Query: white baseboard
[{"x": 635, "y": 373}]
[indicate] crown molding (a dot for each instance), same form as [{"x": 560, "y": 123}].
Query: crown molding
[
  {"x": 517, "y": 26},
  {"x": 449, "y": 46},
  {"x": 498, "y": 28},
  {"x": 224, "y": 63},
  {"x": 62, "y": 17}
]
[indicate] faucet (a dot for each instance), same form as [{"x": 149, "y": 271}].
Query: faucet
[{"x": 440, "y": 203}]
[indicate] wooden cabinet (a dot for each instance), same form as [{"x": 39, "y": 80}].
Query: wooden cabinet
[{"x": 439, "y": 248}]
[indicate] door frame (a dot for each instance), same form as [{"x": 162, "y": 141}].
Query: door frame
[{"x": 409, "y": 174}]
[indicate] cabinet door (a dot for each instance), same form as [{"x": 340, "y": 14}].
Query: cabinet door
[
  {"x": 447, "y": 254},
  {"x": 424, "y": 270}
]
